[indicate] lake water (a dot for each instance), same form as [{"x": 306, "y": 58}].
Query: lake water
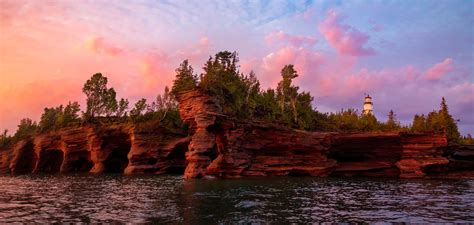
[{"x": 170, "y": 199}]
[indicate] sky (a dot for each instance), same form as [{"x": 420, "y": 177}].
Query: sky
[{"x": 405, "y": 54}]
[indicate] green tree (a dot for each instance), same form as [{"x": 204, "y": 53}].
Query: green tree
[
  {"x": 287, "y": 93},
  {"x": 71, "y": 113},
  {"x": 345, "y": 120},
  {"x": 122, "y": 108},
  {"x": 50, "y": 119},
  {"x": 433, "y": 122},
  {"x": 26, "y": 128},
  {"x": 222, "y": 80},
  {"x": 419, "y": 123},
  {"x": 442, "y": 122},
  {"x": 110, "y": 104},
  {"x": 448, "y": 124},
  {"x": 100, "y": 100},
  {"x": 252, "y": 92},
  {"x": 368, "y": 122},
  {"x": 140, "y": 107},
  {"x": 392, "y": 123},
  {"x": 166, "y": 102},
  {"x": 467, "y": 140},
  {"x": 5, "y": 139},
  {"x": 57, "y": 117},
  {"x": 267, "y": 105},
  {"x": 303, "y": 110},
  {"x": 185, "y": 79}
]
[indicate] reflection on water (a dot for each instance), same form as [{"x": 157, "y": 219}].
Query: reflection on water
[{"x": 170, "y": 199}]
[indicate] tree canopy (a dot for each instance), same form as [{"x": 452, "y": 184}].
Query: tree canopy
[
  {"x": 185, "y": 78},
  {"x": 100, "y": 99},
  {"x": 239, "y": 94},
  {"x": 438, "y": 121}
]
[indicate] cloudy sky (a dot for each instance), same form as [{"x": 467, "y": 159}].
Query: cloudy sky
[{"x": 406, "y": 54}]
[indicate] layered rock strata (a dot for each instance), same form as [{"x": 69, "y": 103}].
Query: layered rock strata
[
  {"x": 98, "y": 149},
  {"x": 225, "y": 147},
  {"x": 220, "y": 146}
]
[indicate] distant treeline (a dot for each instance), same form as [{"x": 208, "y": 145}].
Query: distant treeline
[{"x": 239, "y": 95}]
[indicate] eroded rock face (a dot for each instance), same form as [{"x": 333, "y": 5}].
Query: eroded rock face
[
  {"x": 224, "y": 147},
  {"x": 155, "y": 150},
  {"x": 105, "y": 149},
  {"x": 220, "y": 146},
  {"x": 366, "y": 154},
  {"x": 200, "y": 112}
]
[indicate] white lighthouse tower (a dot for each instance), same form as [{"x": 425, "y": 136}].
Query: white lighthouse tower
[{"x": 368, "y": 106}]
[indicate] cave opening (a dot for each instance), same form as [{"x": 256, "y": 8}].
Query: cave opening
[
  {"x": 26, "y": 159},
  {"x": 177, "y": 157},
  {"x": 213, "y": 153},
  {"x": 117, "y": 160},
  {"x": 366, "y": 149},
  {"x": 82, "y": 164},
  {"x": 51, "y": 161}
]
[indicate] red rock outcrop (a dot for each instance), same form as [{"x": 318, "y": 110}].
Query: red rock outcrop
[
  {"x": 200, "y": 112},
  {"x": 387, "y": 154},
  {"x": 224, "y": 147},
  {"x": 231, "y": 148},
  {"x": 421, "y": 151},
  {"x": 156, "y": 150},
  {"x": 366, "y": 154},
  {"x": 220, "y": 146},
  {"x": 97, "y": 149}
]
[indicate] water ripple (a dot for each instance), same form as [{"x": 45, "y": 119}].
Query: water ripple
[{"x": 170, "y": 199}]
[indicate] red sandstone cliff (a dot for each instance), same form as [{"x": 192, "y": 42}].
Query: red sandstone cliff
[
  {"x": 224, "y": 147},
  {"x": 97, "y": 149},
  {"x": 220, "y": 146}
]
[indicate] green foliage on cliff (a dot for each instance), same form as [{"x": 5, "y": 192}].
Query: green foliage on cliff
[
  {"x": 101, "y": 101},
  {"x": 239, "y": 94},
  {"x": 466, "y": 140},
  {"x": 26, "y": 128},
  {"x": 221, "y": 79},
  {"x": 438, "y": 121},
  {"x": 185, "y": 79},
  {"x": 5, "y": 139},
  {"x": 58, "y": 117}
]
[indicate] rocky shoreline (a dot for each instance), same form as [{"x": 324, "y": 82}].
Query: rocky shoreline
[{"x": 219, "y": 146}]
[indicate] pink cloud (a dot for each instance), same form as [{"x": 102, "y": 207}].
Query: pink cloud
[
  {"x": 194, "y": 52},
  {"x": 249, "y": 64},
  {"x": 345, "y": 39},
  {"x": 438, "y": 71},
  {"x": 293, "y": 40},
  {"x": 29, "y": 100},
  {"x": 156, "y": 70},
  {"x": 306, "y": 62},
  {"x": 100, "y": 46}
]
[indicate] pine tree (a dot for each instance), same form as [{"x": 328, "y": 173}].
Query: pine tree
[
  {"x": 392, "y": 123},
  {"x": 185, "y": 78},
  {"x": 419, "y": 123},
  {"x": 447, "y": 123}
]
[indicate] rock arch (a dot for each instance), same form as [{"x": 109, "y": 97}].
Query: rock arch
[{"x": 50, "y": 161}]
